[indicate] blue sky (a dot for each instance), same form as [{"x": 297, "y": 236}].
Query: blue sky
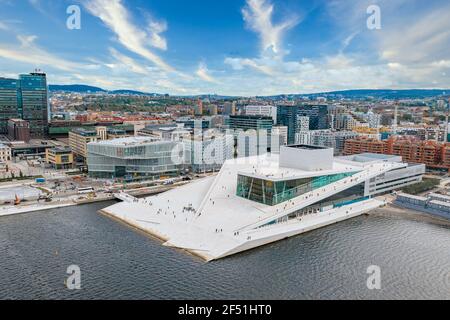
[{"x": 232, "y": 47}]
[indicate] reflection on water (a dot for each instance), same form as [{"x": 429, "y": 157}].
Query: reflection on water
[{"x": 119, "y": 263}]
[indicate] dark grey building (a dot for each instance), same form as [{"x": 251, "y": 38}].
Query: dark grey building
[
  {"x": 288, "y": 115},
  {"x": 8, "y": 102}
]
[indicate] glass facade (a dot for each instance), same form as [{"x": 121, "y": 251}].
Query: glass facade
[
  {"x": 250, "y": 123},
  {"x": 34, "y": 102},
  {"x": 288, "y": 116},
  {"x": 347, "y": 197},
  {"x": 8, "y": 102},
  {"x": 134, "y": 161},
  {"x": 272, "y": 193},
  {"x": 27, "y": 99}
]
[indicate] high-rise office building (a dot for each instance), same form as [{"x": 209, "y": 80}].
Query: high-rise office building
[
  {"x": 27, "y": 99},
  {"x": 8, "y": 102},
  {"x": 33, "y": 96},
  {"x": 289, "y": 116}
]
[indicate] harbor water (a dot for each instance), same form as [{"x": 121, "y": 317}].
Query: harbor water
[{"x": 117, "y": 262}]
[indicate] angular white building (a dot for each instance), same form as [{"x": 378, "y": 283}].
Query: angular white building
[{"x": 258, "y": 200}]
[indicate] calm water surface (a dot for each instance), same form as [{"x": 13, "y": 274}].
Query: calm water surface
[{"x": 119, "y": 263}]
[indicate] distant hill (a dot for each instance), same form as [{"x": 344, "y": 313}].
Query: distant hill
[
  {"x": 78, "y": 88},
  {"x": 362, "y": 94},
  {"x": 81, "y": 88},
  {"x": 133, "y": 92},
  {"x": 376, "y": 93}
]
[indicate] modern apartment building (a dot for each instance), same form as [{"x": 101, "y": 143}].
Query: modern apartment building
[
  {"x": 365, "y": 145},
  {"x": 5, "y": 153},
  {"x": 326, "y": 138},
  {"x": 265, "y": 111},
  {"x": 431, "y": 153}
]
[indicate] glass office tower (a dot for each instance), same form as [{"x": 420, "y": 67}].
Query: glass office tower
[
  {"x": 8, "y": 102},
  {"x": 288, "y": 116},
  {"x": 33, "y": 106},
  {"x": 27, "y": 99}
]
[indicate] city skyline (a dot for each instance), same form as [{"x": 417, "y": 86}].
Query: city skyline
[{"x": 245, "y": 48}]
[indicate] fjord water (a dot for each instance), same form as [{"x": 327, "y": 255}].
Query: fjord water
[{"x": 119, "y": 263}]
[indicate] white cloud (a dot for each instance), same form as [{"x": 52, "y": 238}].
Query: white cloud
[
  {"x": 26, "y": 40},
  {"x": 260, "y": 65},
  {"x": 130, "y": 63},
  {"x": 441, "y": 64},
  {"x": 116, "y": 17},
  {"x": 417, "y": 38},
  {"x": 28, "y": 52},
  {"x": 412, "y": 52},
  {"x": 203, "y": 73},
  {"x": 155, "y": 30},
  {"x": 258, "y": 15}
]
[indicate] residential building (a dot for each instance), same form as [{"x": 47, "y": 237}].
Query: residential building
[
  {"x": 431, "y": 153},
  {"x": 211, "y": 110},
  {"x": 365, "y": 145},
  {"x": 229, "y": 108},
  {"x": 281, "y": 133},
  {"x": 326, "y": 138},
  {"x": 302, "y": 124},
  {"x": 5, "y": 153},
  {"x": 198, "y": 108},
  {"x": 265, "y": 111}
]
